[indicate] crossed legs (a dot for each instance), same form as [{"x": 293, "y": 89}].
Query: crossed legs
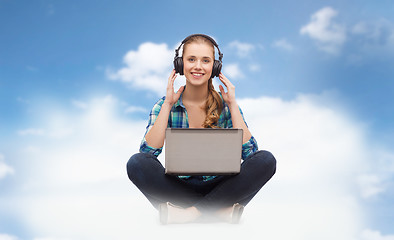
[{"x": 194, "y": 196}]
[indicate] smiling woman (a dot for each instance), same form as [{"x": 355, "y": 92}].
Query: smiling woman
[
  {"x": 198, "y": 68},
  {"x": 182, "y": 199}
]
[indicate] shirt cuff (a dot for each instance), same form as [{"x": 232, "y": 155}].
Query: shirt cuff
[
  {"x": 249, "y": 147},
  {"x": 145, "y": 148}
]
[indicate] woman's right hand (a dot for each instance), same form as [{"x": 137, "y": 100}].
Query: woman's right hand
[
  {"x": 156, "y": 135},
  {"x": 171, "y": 96}
]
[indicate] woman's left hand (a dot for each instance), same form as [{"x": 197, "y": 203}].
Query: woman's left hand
[{"x": 229, "y": 96}]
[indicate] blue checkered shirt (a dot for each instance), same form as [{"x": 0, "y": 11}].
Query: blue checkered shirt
[{"x": 178, "y": 119}]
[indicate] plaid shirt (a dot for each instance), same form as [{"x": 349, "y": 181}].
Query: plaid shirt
[{"x": 178, "y": 119}]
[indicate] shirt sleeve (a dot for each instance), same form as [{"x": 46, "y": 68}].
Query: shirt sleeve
[
  {"x": 250, "y": 146},
  {"x": 144, "y": 147}
]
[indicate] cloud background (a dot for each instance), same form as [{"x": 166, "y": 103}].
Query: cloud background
[
  {"x": 76, "y": 88},
  {"x": 88, "y": 190}
]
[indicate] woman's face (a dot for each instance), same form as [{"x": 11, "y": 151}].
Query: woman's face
[{"x": 198, "y": 61}]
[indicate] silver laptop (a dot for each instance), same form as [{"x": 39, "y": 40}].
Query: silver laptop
[{"x": 203, "y": 151}]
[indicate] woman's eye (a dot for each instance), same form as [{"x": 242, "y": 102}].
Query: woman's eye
[
  {"x": 191, "y": 59},
  {"x": 206, "y": 61}
]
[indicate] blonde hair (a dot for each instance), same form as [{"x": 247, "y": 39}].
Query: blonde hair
[{"x": 214, "y": 103}]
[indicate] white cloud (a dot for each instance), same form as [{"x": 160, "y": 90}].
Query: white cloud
[
  {"x": 369, "y": 234},
  {"x": 242, "y": 49},
  {"x": 80, "y": 181},
  {"x": 254, "y": 67},
  {"x": 50, "y": 238},
  {"x": 75, "y": 144},
  {"x": 79, "y": 104},
  {"x": 7, "y": 237},
  {"x": 283, "y": 44},
  {"x": 360, "y": 28},
  {"x": 374, "y": 38},
  {"x": 376, "y": 181},
  {"x": 4, "y": 168},
  {"x": 147, "y": 68},
  {"x": 377, "y": 31},
  {"x": 370, "y": 185},
  {"x": 128, "y": 108},
  {"x": 232, "y": 71},
  {"x": 31, "y": 131},
  {"x": 54, "y": 131},
  {"x": 329, "y": 35},
  {"x": 133, "y": 109}
]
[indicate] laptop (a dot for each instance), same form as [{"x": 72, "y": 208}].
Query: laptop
[{"x": 203, "y": 151}]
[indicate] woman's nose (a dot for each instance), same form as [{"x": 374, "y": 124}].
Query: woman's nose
[{"x": 198, "y": 64}]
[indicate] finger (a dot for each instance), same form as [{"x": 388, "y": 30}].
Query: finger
[
  {"x": 221, "y": 89},
  {"x": 227, "y": 82},
  {"x": 223, "y": 79},
  {"x": 226, "y": 79},
  {"x": 171, "y": 78},
  {"x": 179, "y": 92},
  {"x": 172, "y": 74}
]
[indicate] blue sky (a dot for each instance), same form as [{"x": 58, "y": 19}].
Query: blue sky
[{"x": 77, "y": 80}]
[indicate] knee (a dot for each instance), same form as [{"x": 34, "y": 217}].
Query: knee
[
  {"x": 136, "y": 164},
  {"x": 265, "y": 161},
  {"x": 132, "y": 166}
]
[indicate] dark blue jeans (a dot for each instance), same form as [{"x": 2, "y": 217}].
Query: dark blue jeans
[{"x": 147, "y": 173}]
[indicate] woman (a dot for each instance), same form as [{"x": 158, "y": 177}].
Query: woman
[{"x": 182, "y": 199}]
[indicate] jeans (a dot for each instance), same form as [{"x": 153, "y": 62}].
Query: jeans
[{"x": 147, "y": 173}]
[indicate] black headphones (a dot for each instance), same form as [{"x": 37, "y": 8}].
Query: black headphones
[{"x": 217, "y": 64}]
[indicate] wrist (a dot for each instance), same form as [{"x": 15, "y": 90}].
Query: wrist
[
  {"x": 167, "y": 104},
  {"x": 232, "y": 104}
]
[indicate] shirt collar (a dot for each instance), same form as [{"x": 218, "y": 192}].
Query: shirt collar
[{"x": 179, "y": 103}]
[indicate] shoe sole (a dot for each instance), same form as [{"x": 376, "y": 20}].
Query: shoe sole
[
  {"x": 163, "y": 211},
  {"x": 237, "y": 213}
]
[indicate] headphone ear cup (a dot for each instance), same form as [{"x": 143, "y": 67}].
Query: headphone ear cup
[
  {"x": 216, "y": 69},
  {"x": 178, "y": 65}
]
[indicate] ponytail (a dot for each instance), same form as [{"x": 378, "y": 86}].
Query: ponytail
[{"x": 213, "y": 107}]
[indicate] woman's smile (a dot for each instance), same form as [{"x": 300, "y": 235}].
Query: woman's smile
[{"x": 197, "y": 75}]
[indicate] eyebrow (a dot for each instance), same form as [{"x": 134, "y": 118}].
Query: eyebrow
[{"x": 196, "y": 56}]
